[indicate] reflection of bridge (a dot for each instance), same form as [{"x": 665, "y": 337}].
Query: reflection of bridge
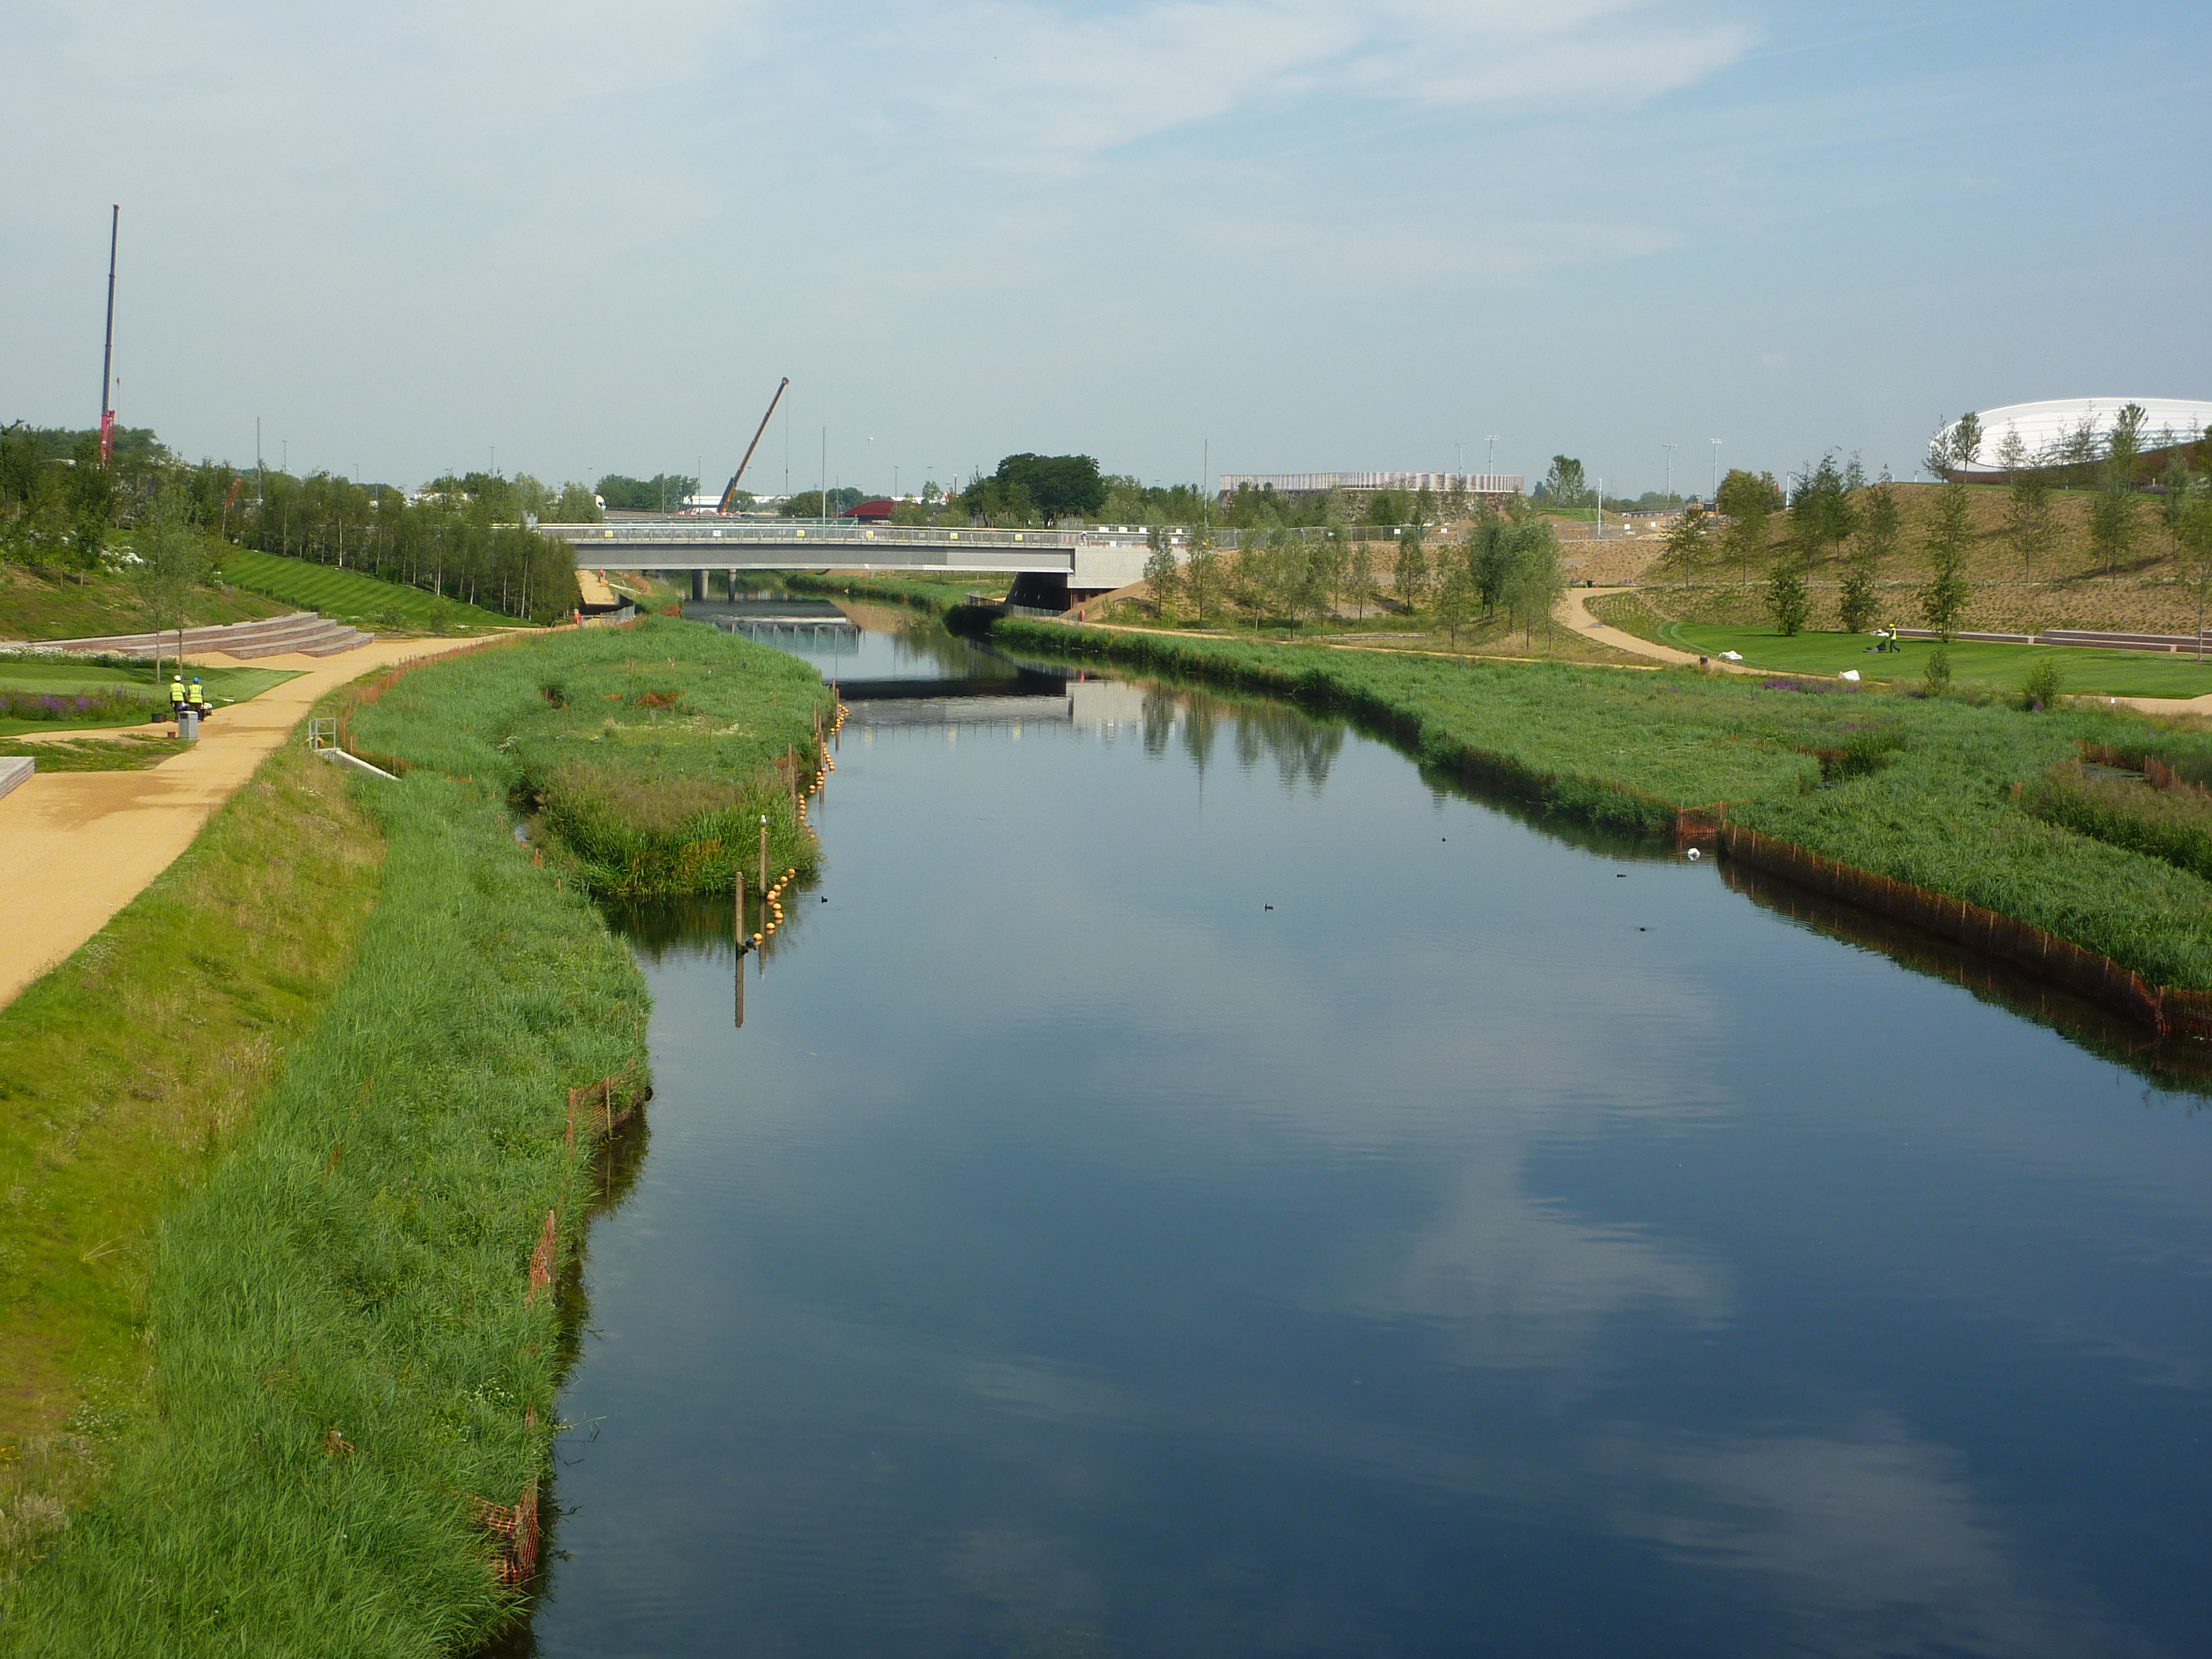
[{"x": 1061, "y": 562}]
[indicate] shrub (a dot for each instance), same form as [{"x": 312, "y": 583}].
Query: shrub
[
  {"x": 2040, "y": 690},
  {"x": 1939, "y": 672}
]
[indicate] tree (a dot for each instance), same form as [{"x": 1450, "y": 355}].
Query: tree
[
  {"x": 1202, "y": 575},
  {"x": 2114, "y": 519},
  {"x": 1785, "y": 595},
  {"x": 172, "y": 560},
  {"x": 1687, "y": 540},
  {"x": 575, "y": 505},
  {"x": 1410, "y": 575},
  {"x": 1456, "y": 595},
  {"x": 2028, "y": 524},
  {"x": 1747, "y": 502},
  {"x": 1820, "y": 511},
  {"x": 1534, "y": 581},
  {"x": 1877, "y": 539},
  {"x": 1388, "y": 507},
  {"x": 1564, "y": 485},
  {"x": 2194, "y": 535},
  {"x": 1163, "y": 573},
  {"x": 1359, "y": 574},
  {"x": 1950, "y": 532},
  {"x": 91, "y": 494},
  {"x": 1048, "y": 486}
]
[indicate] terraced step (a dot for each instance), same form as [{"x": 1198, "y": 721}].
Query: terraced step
[{"x": 225, "y": 636}]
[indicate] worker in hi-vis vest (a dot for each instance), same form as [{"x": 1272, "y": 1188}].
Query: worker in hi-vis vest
[
  {"x": 177, "y": 694},
  {"x": 197, "y": 699}
]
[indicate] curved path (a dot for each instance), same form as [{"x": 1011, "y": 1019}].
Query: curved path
[
  {"x": 1574, "y": 612},
  {"x": 82, "y": 845}
]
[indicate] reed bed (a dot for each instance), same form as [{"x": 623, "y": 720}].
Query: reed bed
[
  {"x": 650, "y": 752},
  {"x": 1928, "y": 791}
]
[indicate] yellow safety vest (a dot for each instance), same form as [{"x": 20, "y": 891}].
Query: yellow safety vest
[{"x": 177, "y": 691}]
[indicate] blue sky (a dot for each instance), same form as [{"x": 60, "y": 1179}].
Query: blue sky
[{"x": 1292, "y": 234}]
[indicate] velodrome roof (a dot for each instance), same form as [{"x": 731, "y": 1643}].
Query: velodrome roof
[{"x": 2046, "y": 428}]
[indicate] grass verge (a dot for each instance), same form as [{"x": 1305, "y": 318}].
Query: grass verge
[
  {"x": 38, "y": 694},
  {"x": 1926, "y": 791},
  {"x": 129, "y": 753},
  {"x": 350, "y": 597},
  {"x": 62, "y": 605}
]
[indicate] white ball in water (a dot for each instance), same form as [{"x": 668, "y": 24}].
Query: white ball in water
[{"x": 1693, "y": 855}]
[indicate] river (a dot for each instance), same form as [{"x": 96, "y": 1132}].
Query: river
[{"x": 1186, "y": 1184}]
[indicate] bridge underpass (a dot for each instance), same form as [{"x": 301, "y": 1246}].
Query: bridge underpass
[{"x": 1051, "y": 569}]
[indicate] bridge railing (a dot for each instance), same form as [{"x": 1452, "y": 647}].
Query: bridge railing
[{"x": 801, "y": 533}]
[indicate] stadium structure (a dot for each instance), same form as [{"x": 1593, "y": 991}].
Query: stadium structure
[
  {"x": 1358, "y": 487},
  {"x": 2067, "y": 433}
]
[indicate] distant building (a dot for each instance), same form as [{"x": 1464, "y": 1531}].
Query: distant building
[
  {"x": 876, "y": 511},
  {"x": 2075, "y": 432},
  {"x": 1358, "y": 488}
]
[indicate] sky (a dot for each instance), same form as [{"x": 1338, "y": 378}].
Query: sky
[{"x": 1182, "y": 236}]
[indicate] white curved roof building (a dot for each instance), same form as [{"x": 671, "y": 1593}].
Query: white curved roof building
[{"x": 2066, "y": 431}]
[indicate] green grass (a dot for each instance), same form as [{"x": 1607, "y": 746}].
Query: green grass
[
  {"x": 122, "y": 692},
  {"x": 652, "y": 751},
  {"x": 349, "y": 596},
  {"x": 1936, "y": 806},
  {"x": 125, "y": 754},
  {"x": 123, "y": 1073},
  {"x": 931, "y": 593},
  {"x": 39, "y": 605},
  {"x": 2087, "y": 672},
  {"x": 357, "y": 1264}
]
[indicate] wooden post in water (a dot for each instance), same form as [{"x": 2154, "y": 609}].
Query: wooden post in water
[{"x": 763, "y": 887}]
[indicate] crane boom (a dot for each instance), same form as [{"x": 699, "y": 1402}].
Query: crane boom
[{"x": 729, "y": 490}]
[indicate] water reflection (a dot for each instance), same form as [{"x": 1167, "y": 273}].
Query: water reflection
[{"x": 1160, "y": 1205}]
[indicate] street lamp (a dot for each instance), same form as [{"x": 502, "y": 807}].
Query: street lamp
[
  {"x": 1669, "y": 449},
  {"x": 1717, "y": 472}
]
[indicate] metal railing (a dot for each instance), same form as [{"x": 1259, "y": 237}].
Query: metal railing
[{"x": 799, "y": 533}]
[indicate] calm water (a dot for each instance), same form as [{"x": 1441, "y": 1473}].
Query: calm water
[{"x": 1504, "y": 1243}]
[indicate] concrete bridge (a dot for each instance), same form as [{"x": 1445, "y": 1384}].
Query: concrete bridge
[{"x": 1065, "y": 566}]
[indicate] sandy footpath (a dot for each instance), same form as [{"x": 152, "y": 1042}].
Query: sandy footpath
[{"x": 79, "y": 846}]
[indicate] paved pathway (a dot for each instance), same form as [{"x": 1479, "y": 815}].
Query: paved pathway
[
  {"x": 1574, "y": 612},
  {"x": 82, "y": 845}
]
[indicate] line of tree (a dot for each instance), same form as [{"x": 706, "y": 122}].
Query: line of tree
[
  {"x": 808, "y": 504},
  {"x": 2081, "y": 456},
  {"x": 464, "y": 536},
  {"x": 664, "y": 492},
  {"x": 1506, "y": 564}
]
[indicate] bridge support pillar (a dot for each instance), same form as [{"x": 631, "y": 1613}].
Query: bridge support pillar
[{"x": 699, "y": 585}]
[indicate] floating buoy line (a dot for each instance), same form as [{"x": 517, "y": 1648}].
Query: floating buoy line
[{"x": 772, "y": 915}]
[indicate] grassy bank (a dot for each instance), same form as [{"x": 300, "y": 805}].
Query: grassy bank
[
  {"x": 350, "y": 597},
  {"x": 37, "y": 604},
  {"x": 125, "y": 1074},
  {"x": 1924, "y": 790},
  {"x": 651, "y": 752},
  {"x": 342, "y": 1343}
]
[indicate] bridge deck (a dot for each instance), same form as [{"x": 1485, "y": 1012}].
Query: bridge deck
[{"x": 707, "y": 545}]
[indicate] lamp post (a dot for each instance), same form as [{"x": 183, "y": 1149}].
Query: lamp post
[
  {"x": 1717, "y": 472},
  {"x": 1669, "y": 492}
]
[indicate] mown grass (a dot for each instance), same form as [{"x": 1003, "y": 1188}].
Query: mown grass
[
  {"x": 62, "y": 605},
  {"x": 38, "y": 694},
  {"x": 341, "y": 1345},
  {"x": 129, "y": 753},
  {"x": 1941, "y": 806},
  {"x": 2085, "y": 671},
  {"x": 350, "y": 597},
  {"x": 124, "y": 1074},
  {"x": 651, "y": 751}
]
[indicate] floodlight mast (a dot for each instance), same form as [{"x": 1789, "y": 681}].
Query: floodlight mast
[
  {"x": 107, "y": 351},
  {"x": 729, "y": 490}
]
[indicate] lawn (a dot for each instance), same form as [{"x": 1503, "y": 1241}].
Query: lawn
[
  {"x": 349, "y": 596},
  {"x": 58, "y": 605},
  {"x": 2088, "y": 672},
  {"x": 111, "y": 692}
]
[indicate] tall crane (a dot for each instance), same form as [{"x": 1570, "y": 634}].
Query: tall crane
[{"x": 729, "y": 490}]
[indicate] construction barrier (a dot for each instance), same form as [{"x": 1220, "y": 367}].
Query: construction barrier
[{"x": 515, "y": 1526}]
